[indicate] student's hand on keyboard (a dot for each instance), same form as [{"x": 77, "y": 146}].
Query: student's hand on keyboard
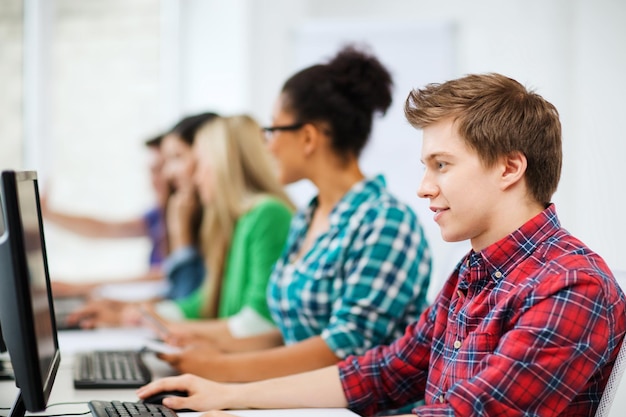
[
  {"x": 98, "y": 313},
  {"x": 202, "y": 359},
  {"x": 202, "y": 394}
]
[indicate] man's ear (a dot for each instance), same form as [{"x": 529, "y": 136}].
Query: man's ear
[{"x": 513, "y": 169}]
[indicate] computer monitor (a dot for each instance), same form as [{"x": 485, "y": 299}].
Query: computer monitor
[
  {"x": 26, "y": 307},
  {"x": 3, "y": 346}
]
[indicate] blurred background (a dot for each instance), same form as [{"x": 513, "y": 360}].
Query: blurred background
[{"x": 85, "y": 82}]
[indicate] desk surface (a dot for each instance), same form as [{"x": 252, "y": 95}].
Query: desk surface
[{"x": 72, "y": 342}]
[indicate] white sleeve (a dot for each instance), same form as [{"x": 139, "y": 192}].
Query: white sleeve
[
  {"x": 169, "y": 310},
  {"x": 248, "y": 323}
]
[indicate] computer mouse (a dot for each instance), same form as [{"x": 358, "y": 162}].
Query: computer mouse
[{"x": 159, "y": 396}]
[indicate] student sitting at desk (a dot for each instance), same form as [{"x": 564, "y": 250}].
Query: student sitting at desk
[
  {"x": 356, "y": 266},
  {"x": 531, "y": 320},
  {"x": 246, "y": 216}
]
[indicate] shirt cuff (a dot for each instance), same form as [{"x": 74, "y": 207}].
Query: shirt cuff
[
  {"x": 169, "y": 310},
  {"x": 178, "y": 257},
  {"x": 248, "y": 323}
]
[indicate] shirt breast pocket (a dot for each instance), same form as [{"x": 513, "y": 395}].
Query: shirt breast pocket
[{"x": 472, "y": 354}]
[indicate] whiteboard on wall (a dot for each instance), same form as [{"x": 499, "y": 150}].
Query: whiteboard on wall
[{"x": 416, "y": 54}]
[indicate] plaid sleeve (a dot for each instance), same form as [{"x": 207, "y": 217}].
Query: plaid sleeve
[
  {"x": 387, "y": 377},
  {"x": 386, "y": 269}
]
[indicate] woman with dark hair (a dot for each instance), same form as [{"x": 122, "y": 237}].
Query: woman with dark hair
[{"x": 356, "y": 266}]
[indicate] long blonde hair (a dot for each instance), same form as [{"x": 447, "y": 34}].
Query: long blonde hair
[{"x": 242, "y": 173}]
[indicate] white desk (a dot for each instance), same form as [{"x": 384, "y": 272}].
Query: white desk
[{"x": 72, "y": 342}]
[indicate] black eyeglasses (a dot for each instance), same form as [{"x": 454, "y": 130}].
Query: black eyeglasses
[{"x": 269, "y": 131}]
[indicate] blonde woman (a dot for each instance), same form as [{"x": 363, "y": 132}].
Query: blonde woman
[{"x": 244, "y": 228}]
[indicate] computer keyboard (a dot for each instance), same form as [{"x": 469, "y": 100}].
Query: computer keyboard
[
  {"x": 128, "y": 409},
  {"x": 111, "y": 369}
]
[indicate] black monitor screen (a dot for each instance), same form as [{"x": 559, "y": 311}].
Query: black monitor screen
[
  {"x": 26, "y": 309},
  {"x": 3, "y": 347}
]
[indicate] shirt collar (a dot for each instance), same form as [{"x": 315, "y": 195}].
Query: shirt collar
[
  {"x": 503, "y": 256},
  {"x": 345, "y": 207}
]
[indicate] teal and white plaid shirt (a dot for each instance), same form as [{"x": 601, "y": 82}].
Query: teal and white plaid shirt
[{"x": 363, "y": 281}]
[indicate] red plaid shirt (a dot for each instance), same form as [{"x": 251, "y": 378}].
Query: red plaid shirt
[{"x": 531, "y": 325}]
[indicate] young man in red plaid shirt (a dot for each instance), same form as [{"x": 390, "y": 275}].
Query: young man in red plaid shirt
[{"x": 530, "y": 321}]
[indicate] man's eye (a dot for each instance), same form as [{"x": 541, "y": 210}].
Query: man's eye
[{"x": 442, "y": 165}]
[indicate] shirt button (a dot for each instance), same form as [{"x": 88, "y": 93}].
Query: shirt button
[
  {"x": 442, "y": 398},
  {"x": 498, "y": 274},
  {"x": 457, "y": 344},
  {"x": 466, "y": 263},
  {"x": 459, "y": 293}
]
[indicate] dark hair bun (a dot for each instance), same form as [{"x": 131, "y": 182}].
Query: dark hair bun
[
  {"x": 344, "y": 94},
  {"x": 362, "y": 78}
]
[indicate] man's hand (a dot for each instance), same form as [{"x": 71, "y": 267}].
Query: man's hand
[{"x": 202, "y": 394}]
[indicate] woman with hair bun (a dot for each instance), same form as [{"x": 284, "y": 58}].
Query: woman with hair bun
[{"x": 356, "y": 266}]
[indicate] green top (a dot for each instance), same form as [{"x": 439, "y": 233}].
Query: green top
[{"x": 258, "y": 241}]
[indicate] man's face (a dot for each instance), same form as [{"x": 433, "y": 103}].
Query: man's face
[{"x": 463, "y": 193}]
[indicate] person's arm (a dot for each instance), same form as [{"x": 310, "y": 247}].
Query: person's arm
[
  {"x": 217, "y": 332},
  {"x": 317, "y": 389},
  {"x": 96, "y": 228},
  {"x": 62, "y": 288},
  {"x": 267, "y": 340},
  {"x": 214, "y": 332},
  {"x": 307, "y": 355}
]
